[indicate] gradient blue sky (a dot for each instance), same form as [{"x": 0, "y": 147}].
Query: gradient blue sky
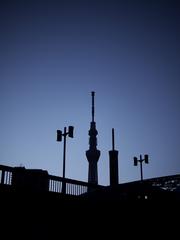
[{"x": 54, "y": 53}]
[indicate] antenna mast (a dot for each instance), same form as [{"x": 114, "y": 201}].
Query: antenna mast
[
  {"x": 92, "y": 94},
  {"x": 113, "y": 144}
]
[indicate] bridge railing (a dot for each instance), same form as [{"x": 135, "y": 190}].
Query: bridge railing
[
  {"x": 6, "y": 175},
  {"x": 55, "y": 183},
  {"x": 72, "y": 187},
  {"x": 169, "y": 183}
]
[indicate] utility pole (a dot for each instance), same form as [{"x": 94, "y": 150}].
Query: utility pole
[
  {"x": 59, "y": 139},
  {"x": 141, "y": 160}
]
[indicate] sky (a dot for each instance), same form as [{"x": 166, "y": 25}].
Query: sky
[{"x": 54, "y": 53}]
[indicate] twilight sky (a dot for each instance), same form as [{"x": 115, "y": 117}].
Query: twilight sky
[{"x": 54, "y": 53}]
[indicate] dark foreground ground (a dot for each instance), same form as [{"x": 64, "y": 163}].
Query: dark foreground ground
[{"x": 54, "y": 216}]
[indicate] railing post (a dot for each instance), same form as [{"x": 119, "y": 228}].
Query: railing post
[{"x": 2, "y": 177}]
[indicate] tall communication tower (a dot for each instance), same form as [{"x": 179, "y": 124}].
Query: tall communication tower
[{"x": 93, "y": 153}]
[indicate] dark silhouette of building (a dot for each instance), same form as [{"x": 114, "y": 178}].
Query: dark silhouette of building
[{"x": 29, "y": 180}]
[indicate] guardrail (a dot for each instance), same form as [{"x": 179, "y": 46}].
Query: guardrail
[
  {"x": 53, "y": 183},
  {"x": 71, "y": 187},
  {"x": 6, "y": 175},
  {"x": 169, "y": 183}
]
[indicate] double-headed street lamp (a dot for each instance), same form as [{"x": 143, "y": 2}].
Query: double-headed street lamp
[
  {"x": 136, "y": 160},
  {"x": 59, "y": 139}
]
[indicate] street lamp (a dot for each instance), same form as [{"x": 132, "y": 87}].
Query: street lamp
[
  {"x": 146, "y": 160},
  {"x": 59, "y": 139}
]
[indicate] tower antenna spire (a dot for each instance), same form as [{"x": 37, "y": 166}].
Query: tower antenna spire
[
  {"x": 113, "y": 143},
  {"x": 92, "y": 94}
]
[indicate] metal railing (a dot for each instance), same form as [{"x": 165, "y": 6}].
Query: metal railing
[
  {"x": 5, "y": 175},
  {"x": 55, "y": 183},
  {"x": 73, "y": 187},
  {"x": 169, "y": 183},
  {"x": 77, "y": 188}
]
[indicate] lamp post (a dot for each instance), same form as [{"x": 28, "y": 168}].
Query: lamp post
[
  {"x": 146, "y": 160},
  {"x": 59, "y": 139}
]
